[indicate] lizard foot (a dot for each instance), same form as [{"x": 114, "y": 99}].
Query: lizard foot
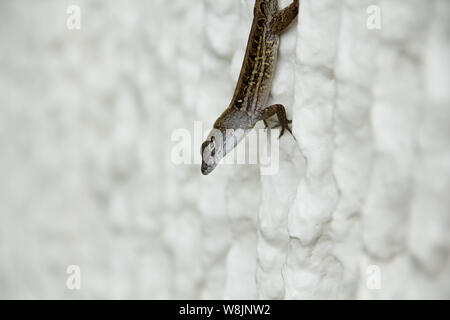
[
  {"x": 284, "y": 127},
  {"x": 283, "y": 122}
]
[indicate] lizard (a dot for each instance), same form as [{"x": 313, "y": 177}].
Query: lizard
[{"x": 249, "y": 102}]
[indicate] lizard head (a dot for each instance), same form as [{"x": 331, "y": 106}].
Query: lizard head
[
  {"x": 216, "y": 146},
  {"x": 212, "y": 151}
]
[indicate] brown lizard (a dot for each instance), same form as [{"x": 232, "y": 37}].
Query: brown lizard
[{"x": 249, "y": 103}]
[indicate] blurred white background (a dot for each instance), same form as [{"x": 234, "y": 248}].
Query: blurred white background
[{"x": 359, "y": 209}]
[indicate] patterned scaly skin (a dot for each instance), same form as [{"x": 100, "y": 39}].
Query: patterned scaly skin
[{"x": 249, "y": 103}]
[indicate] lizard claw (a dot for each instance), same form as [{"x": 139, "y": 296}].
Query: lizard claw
[
  {"x": 283, "y": 122},
  {"x": 285, "y": 127}
]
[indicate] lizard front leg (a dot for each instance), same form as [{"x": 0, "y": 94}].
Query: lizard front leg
[
  {"x": 284, "y": 17},
  {"x": 280, "y": 111}
]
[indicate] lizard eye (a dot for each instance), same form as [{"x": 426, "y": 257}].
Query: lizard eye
[{"x": 211, "y": 145}]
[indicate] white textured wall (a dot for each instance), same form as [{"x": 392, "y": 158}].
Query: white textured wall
[{"x": 85, "y": 124}]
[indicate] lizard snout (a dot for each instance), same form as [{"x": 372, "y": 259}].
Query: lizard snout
[{"x": 206, "y": 169}]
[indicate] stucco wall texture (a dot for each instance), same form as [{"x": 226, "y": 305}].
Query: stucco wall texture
[{"x": 86, "y": 119}]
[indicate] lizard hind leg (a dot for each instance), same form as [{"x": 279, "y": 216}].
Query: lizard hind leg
[
  {"x": 280, "y": 111},
  {"x": 284, "y": 17}
]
